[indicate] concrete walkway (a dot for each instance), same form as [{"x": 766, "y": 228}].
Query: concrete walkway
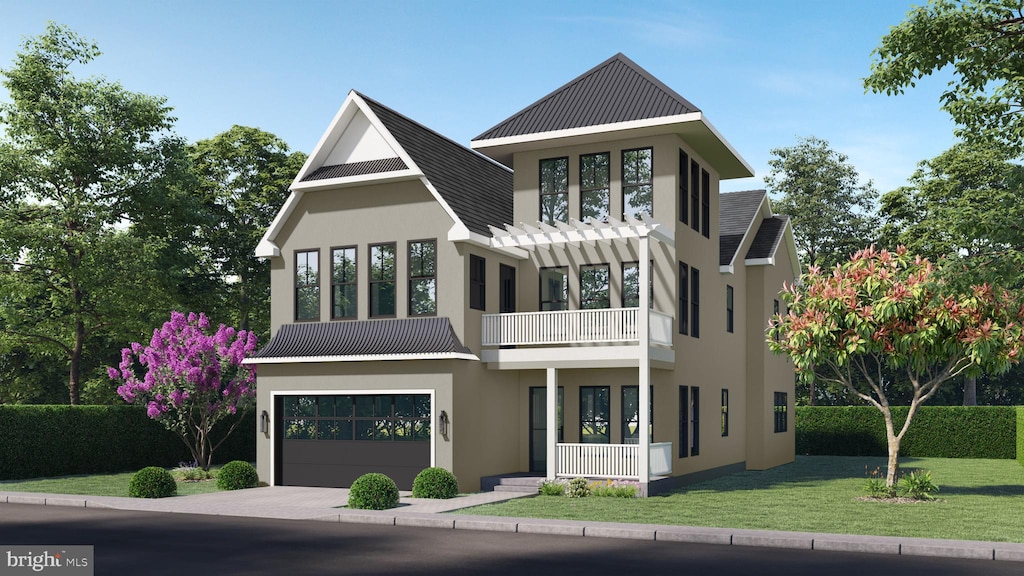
[{"x": 325, "y": 504}]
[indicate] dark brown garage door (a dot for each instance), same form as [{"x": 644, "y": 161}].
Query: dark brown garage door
[{"x": 332, "y": 440}]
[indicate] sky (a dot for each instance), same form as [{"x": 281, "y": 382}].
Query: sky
[{"x": 763, "y": 72}]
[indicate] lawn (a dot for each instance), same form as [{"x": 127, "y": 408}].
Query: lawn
[
  {"x": 98, "y": 485},
  {"x": 978, "y": 500}
]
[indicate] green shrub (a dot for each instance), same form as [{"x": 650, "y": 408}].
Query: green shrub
[
  {"x": 236, "y": 475},
  {"x": 578, "y": 488},
  {"x": 373, "y": 491},
  {"x": 435, "y": 483},
  {"x": 614, "y": 489},
  {"x": 917, "y": 485},
  {"x": 191, "y": 472},
  {"x": 1020, "y": 435},
  {"x": 876, "y": 487},
  {"x": 152, "y": 482},
  {"x": 552, "y": 487}
]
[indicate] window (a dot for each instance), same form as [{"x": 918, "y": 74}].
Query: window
[
  {"x": 725, "y": 411},
  {"x": 684, "y": 298},
  {"x": 631, "y": 414},
  {"x": 695, "y": 421},
  {"x": 343, "y": 283},
  {"x": 595, "y": 196},
  {"x": 729, "y": 309},
  {"x": 705, "y": 203},
  {"x": 684, "y": 190},
  {"x": 594, "y": 411},
  {"x": 382, "y": 280},
  {"x": 694, "y": 302},
  {"x": 684, "y": 421},
  {"x": 781, "y": 412},
  {"x": 554, "y": 190},
  {"x": 506, "y": 288},
  {"x": 477, "y": 282},
  {"x": 422, "y": 277},
  {"x": 307, "y": 285},
  {"x": 594, "y": 281},
  {"x": 775, "y": 312},
  {"x": 637, "y": 182},
  {"x": 694, "y": 195},
  {"x": 631, "y": 285},
  {"x": 554, "y": 288},
  {"x": 391, "y": 418}
]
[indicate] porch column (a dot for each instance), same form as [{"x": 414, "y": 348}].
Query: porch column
[
  {"x": 643, "y": 326},
  {"x": 552, "y": 416}
]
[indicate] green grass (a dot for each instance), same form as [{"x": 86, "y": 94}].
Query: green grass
[
  {"x": 978, "y": 500},
  {"x": 98, "y": 485}
]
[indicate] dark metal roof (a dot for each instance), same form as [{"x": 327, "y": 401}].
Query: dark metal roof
[
  {"x": 364, "y": 337},
  {"x": 356, "y": 169},
  {"x": 736, "y": 211},
  {"x": 478, "y": 189},
  {"x": 768, "y": 237},
  {"x": 616, "y": 90}
]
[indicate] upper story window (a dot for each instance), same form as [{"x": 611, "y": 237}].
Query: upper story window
[
  {"x": 694, "y": 302},
  {"x": 705, "y": 203},
  {"x": 729, "y": 309},
  {"x": 594, "y": 282},
  {"x": 637, "y": 182},
  {"x": 631, "y": 285},
  {"x": 554, "y": 190},
  {"x": 343, "y": 282},
  {"x": 422, "y": 277},
  {"x": 683, "y": 290},
  {"x": 695, "y": 195},
  {"x": 382, "y": 280},
  {"x": 477, "y": 282},
  {"x": 595, "y": 195},
  {"x": 554, "y": 288},
  {"x": 684, "y": 189},
  {"x": 307, "y": 285}
]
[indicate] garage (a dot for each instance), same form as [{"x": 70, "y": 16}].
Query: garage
[{"x": 330, "y": 440}]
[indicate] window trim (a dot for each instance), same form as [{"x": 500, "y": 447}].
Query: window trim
[
  {"x": 608, "y": 272},
  {"x": 354, "y": 283},
  {"x": 478, "y": 285},
  {"x": 370, "y": 281},
  {"x": 296, "y": 286},
  {"x": 540, "y": 188},
  {"x": 410, "y": 278},
  {"x": 607, "y": 188},
  {"x": 630, "y": 185},
  {"x": 540, "y": 292}
]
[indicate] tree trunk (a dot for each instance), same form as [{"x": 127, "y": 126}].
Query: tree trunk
[
  {"x": 243, "y": 304},
  {"x": 75, "y": 372},
  {"x": 970, "y": 391},
  {"x": 811, "y": 400},
  {"x": 892, "y": 472}
]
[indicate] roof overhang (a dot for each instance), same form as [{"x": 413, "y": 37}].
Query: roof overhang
[
  {"x": 360, "y": 358},
  {"x": 694, "y": 128}
]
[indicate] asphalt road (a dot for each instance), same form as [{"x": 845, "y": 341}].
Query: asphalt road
[{"x": 142, "y": 543}]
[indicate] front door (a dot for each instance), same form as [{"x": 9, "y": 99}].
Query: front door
[{"x": 538, "y": 427}]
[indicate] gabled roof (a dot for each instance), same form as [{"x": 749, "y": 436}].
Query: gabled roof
[
  {"x": 616, "y": 90},
  {"x": 388, "y": 339},
  {"x": 737, "y": 212},
  {"x": 769, "y": 236}
]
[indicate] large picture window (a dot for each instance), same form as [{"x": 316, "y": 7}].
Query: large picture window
[
  {"x": 637, "y": 182},
  {"x": 631, "y": 414},
  {"x": 554, "y": 190},
  {"x": 343, "y": 283},
  {"x": 422, "y": 278},
  {"x": 307, "y": 285},
  {"x": 595, "y": 194},
  {"x": 382, "y": 280},
  {"x": 595, "y": 407},
  {"x": 594, "y": 283},
  {"x": 554, "y": 288}
]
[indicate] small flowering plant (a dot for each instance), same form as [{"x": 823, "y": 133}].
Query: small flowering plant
[{"x": 192, "y": 379}]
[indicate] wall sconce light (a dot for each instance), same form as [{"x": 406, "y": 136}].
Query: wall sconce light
[
  {"x": 443, "y": 424},
  {"x": 265, "y": 423}
]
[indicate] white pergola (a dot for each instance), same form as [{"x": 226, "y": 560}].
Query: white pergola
[{"x": 542, "y": 235}]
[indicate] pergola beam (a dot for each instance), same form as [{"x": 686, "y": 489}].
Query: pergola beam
[{"x": 541, "y": 234}]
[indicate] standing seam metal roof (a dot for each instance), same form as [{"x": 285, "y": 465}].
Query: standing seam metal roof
[
  {"x": 356, "y": 169},
  {"x": 391, "y": 336}
]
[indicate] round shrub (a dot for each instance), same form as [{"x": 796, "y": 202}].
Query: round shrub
[
  {"x": 373, "y": 491},
  {"x": 152, "y": 482},
  {"x": 236, "y": 475},
  {"x": 435, "y": 483}
]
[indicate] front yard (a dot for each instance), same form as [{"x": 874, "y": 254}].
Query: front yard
[
  {"x": 979, "y": 500},
  {"x": 99, "y": 485}
]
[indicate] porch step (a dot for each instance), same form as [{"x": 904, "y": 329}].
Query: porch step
[
  {"x": 516, "y": 482},
  {"x": 520, "y": 489}
]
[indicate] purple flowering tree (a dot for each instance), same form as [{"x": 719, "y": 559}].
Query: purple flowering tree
[{"x": 193, "y": 379}]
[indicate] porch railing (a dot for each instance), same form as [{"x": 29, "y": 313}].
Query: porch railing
[
  {"x": 611, "y": 460},
  {"x": 572, "y": 326}
]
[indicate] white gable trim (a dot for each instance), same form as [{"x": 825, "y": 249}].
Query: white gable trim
[
  {"x": 585, "y": 130},
  {"x": 764, "y": 210}
]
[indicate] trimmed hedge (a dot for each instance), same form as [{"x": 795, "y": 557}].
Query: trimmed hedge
[
  {"x": 1020, "y": 435},
  {"x": 937, "y": 431},
  {"x": 41, "y": 441}
]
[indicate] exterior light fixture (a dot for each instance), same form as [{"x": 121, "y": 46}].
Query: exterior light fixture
[
  {"x": 443, "y": 424},
  {"x": 265, "y": 423}
]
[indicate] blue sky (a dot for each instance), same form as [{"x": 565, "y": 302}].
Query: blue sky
[{"x": 763, "y": 73}]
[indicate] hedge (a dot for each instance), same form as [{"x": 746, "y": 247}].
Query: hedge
[
  {"x": 1020, "y": 435},
  {"x": 936, "y": 431},
  {"x": 41, "y": 441}
]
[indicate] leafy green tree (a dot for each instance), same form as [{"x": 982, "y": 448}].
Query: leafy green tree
[
  {"x": 890, "y": 310},
  {"x": 75, "y": 156},
  {"x": 983, "y": 42}
]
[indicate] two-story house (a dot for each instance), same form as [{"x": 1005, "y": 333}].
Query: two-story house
[{"x": 430, "y": 303}]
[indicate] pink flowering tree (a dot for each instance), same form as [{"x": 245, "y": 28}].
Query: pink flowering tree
[{"x": 192, "y": 379}]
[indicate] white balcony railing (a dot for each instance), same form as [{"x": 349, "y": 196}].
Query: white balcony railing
[
  {"x": 611, "y": 460},
  {"x": 572, "y": 326}
]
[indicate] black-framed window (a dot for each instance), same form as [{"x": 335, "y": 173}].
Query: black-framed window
[
  {"x": 684, "y": 421},
  {"x": 775, "y": 312},
  {"x": 694, "y": 420},
  {"x": 344, "y": 302},
  {"x": 382, "y": 280},
  {"x": 381, "y": 417},
  {"x": 477, "y": 282},
  {"x": 694, "y": 302},
  {"x": 595, "y": 191},
  {"x": 683, "y": 290},
  {"x": 554, "y": 190},
  {"x": 307, "y": 285},
  {"x": 506, "y": 288},
  {"x": 781, "y": 409},
  {"x": 694, "y": 195},
  {"x": 595, "y": 408},
  {"x": 684, "y": 189},
  {"x": 705, "y": 203},
  {"x": 422, "y": 277},
  {"x": 729, "y": 309},
  {"x": 539, "y": 425},
  {"x": 595, "y": 282},
  {"x": 725, "y": 411},
  {"x": 631, "y": 285},
  {"x": 631, "y": 414},
  {"x": 638, "y": 182},
  {"x": 554, "y": 288}
]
